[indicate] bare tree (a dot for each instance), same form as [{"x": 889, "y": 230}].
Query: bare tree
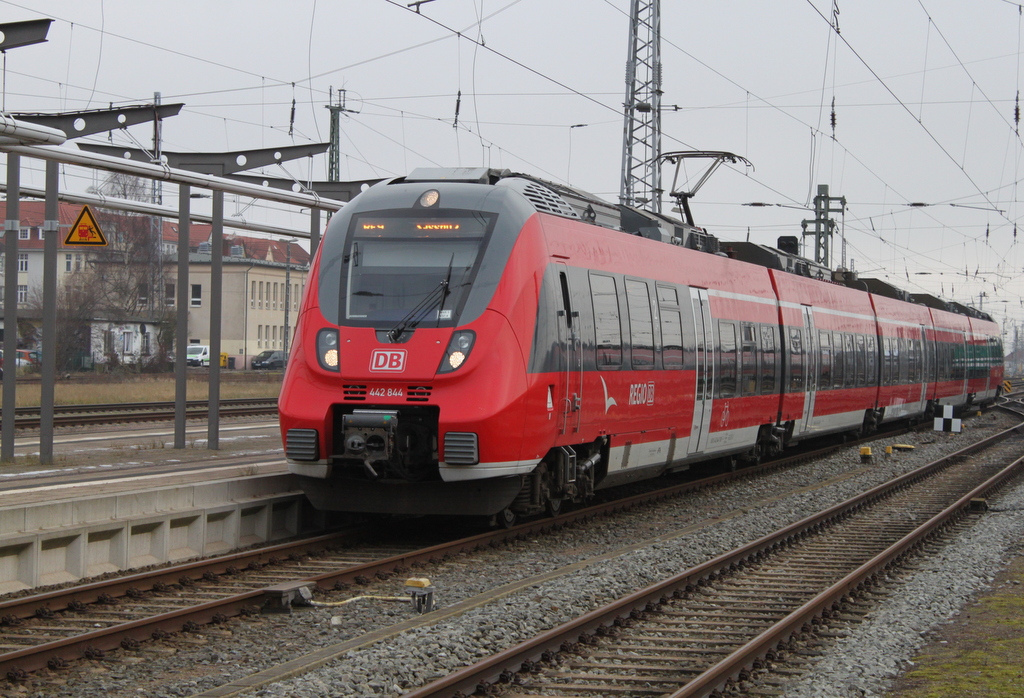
[
  {"x": 123, "y": 186},
  {"x": 76, "y": 308}
]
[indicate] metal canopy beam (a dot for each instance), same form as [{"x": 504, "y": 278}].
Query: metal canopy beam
[
  {"x": 86, "y": 123},
  {"x": 15, "y": 34},
  {"x": 218, "y": 164},
  {"x": 341, "y": 191}
]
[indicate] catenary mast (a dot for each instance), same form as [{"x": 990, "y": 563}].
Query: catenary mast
[{"x": 640, "y": 183}]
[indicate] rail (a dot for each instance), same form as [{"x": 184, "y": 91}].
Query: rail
[
  {"x": 80, "y": 415},
  {"x": 505, "y": 667}
]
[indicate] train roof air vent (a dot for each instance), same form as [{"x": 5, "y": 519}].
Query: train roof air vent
[{"x": 543, "y": 199}]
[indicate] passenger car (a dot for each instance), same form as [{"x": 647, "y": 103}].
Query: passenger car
[{"x": 270, "y": 360}]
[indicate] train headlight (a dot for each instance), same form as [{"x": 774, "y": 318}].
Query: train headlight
[
  {"x": 327, "y": 350},
  {"x": 430, "y": 198},
  {"x": 458, "y": 351}
]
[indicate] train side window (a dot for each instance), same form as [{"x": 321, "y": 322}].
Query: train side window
[
  {"x": 838, "y": 360},
  {"x": 671, "y": 328},
  {"x": 607, "y": 329},
  {"x": 825, "y": 360},
  {"x": 727, "y": 361},
  {"x": 796, "y": 360},
  {"x": 850, "y": 376},
  {"x": 748, "y": 360},
  {"x": 566, "y": 301},
  {"x": 872, "y": 360},
  {"x": 768, "y": 359},
  {"x": 865, "y": 345},
  {"x": 889, "y": 360},
  {"x": 641, "y": 326},
  {"x": 861, "y": 361},
  {"x": 900, "y": 372}
]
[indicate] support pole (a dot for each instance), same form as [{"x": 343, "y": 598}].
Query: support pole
[
  {"x": 51, "y": 238},
  {"x": 12, "y": 225},
  {"x": 181, "y": 330},
  {"x": 314, "y": 232},
  {"x": 216, "y": 297},
  {"x": 287, "y": 293}
]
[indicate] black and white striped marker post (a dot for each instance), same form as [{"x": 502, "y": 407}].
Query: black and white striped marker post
[{"x": 946, "y": 422}]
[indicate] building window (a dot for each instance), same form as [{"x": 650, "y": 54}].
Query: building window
[
  {"x": 260, "y": 297},
  {"x": 67, "y": 263},
  {"x": 22, "y": 261},
  {"x": 144, "y": 345},
  {"x": 197, "y": 295},
  {"x": 169, "y": 294},
  {"x": 275, "y": 326},
  {"x": 24, "y": 234},
  {"x": 126, "y": 343},
  {"x": 22, "y": 293},
  {"x": 252, "y": 296},
  {"x": 78, "y": 262}
]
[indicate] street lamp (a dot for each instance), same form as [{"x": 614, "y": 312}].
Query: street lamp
[{"x": 568, "y": 160}]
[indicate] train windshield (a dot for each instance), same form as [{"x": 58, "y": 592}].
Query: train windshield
[{"x": 411, "y": 268}]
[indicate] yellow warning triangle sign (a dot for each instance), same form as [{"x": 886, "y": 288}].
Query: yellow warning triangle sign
[{"x": 86, "y": 231}]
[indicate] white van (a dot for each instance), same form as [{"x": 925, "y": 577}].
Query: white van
[{"x": 197, "y": 355}]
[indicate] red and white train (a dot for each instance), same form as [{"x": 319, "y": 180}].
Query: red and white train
[{"x": 477, "y": 342}]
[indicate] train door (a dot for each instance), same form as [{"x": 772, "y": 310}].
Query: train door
[
  {"x": 810, "y": 369},
  {"x": 571, "y": 394},
  {"x": 960, "y": 364},
  {"x": 924, "y": 365},
  {"x": 704, "y": 385}
]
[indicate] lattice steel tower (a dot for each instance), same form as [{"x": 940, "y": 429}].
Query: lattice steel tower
[{"x": 640, "y": 184}]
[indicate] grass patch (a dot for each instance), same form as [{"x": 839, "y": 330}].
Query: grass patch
[
  {"x": 983, "y": 650},
  {"x": 147, "y": 388}
]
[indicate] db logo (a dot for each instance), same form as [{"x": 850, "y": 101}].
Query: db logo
[{"x": 388, "y": 360}]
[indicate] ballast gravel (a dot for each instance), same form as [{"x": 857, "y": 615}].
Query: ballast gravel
[{"x": 866, "y": 660}]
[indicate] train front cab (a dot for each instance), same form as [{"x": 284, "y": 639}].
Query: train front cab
[{"x": 385, "y": 408}]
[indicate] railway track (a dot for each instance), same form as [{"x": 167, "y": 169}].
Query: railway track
[
  {"x": 51, "y": 629},
  {"x": 84, "y": 415},
  {"x": 716, "y": 627}
]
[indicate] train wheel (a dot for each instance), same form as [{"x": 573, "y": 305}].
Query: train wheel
[
  {"x": 506, "y": 518},
  {"x": 554, "y": 507}
]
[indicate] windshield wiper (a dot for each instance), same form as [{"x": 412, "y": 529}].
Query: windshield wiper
[
  {"x": 447, "y": 288},
  {"x": 436, "y": 296}
]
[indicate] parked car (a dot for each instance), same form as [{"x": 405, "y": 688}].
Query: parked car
[
  {"x": 27, "y": 357},
  {"x": 270, "y": 360},
  {"x": 197, "y": 355}
]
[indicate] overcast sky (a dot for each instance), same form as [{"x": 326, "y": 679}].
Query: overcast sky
[{"x": 924, "y": 95}]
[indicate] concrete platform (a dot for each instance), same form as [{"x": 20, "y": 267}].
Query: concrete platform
[{"x": 65, "y": 531}]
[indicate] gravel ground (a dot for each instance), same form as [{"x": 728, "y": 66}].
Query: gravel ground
[
  {"x": 393, "y": 666},
  {"x": 868, "y": 660}
]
